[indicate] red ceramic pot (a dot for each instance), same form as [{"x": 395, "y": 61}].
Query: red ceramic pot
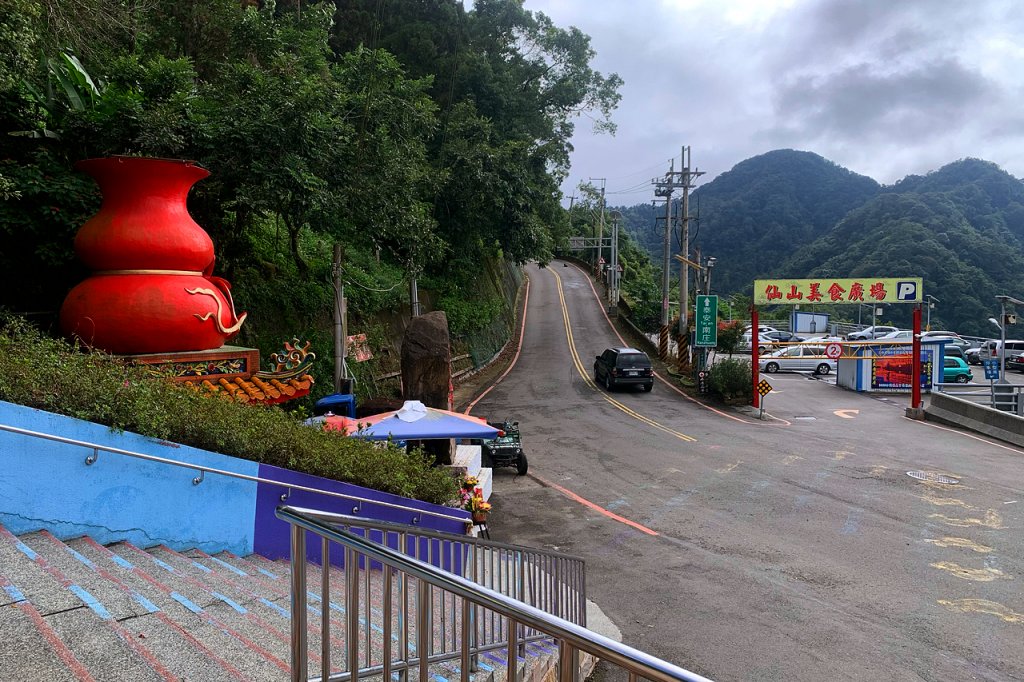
[
  {"x": 143, "y": 223},
  {"x": 134, "y": 314},
  {"x": 152, "y": 290}
]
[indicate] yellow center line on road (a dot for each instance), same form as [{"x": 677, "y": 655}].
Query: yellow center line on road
[{"x": 581, "y": 368}]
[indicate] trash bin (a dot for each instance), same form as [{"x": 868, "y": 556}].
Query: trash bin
[{"x": 337, "y": 403}]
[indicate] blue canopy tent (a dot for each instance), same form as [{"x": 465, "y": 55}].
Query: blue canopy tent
[{"x": 416, "y": 421}]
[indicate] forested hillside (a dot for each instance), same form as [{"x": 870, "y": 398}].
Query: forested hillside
[
  {"x": 427, "y": 139},
  {"x": 795, "y": 214}
]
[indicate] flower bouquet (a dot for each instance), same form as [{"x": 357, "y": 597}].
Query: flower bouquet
[{"x": 473, "y": 501}]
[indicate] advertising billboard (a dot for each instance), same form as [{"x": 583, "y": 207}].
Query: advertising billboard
[{"x": 833, "y": 290}]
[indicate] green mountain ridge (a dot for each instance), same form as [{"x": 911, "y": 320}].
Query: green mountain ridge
[{"x": 795, "y": 214}]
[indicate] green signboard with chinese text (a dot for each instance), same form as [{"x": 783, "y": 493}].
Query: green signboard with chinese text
[{"x": 706, "y": 332}]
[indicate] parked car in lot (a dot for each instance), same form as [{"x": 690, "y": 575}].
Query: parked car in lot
[
  {"x": 973, "y": 356},
  {"x": 990, "y": 349},
  {"x": 871, "y": 333},
  {"x": 764, "y": 344},
  {"x": 898, "y": 335},
  {"x": 939, "y": 332},
  {"x": 617, "y": 367},
  {"x": 954, "y": 352},
  {"x": 955, "y": 370},
  {"x": 1015, "y": 362},
  {"x": 797, "y": 358},
  {"x": 781, "y": 337}
]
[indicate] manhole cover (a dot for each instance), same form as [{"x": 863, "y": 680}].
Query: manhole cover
[{"x": 933, "y": 477}]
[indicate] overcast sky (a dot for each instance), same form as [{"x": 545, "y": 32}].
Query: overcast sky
[{"x": 885, "y": 88}]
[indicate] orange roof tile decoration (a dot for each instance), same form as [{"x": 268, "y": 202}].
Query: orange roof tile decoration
[
  {"x": 256, "y": 390},
  {"x": 227, "y": 372}
]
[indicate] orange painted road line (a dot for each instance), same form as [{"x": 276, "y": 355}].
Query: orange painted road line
[{"x": 596, "y": 507}]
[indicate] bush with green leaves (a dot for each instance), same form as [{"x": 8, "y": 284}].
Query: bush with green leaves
[
  {"x": 729, "y": 336},
  {"x": 730, "y": 380},
  {"x": 55, "y": 376}
]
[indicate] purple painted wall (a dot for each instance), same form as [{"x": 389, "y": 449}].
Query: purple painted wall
[{"x": 272, "y": 538}]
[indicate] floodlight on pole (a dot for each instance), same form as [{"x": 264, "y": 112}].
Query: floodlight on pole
[{"x": 931, "y": 304}]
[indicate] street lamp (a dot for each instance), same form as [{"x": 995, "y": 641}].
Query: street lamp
[
  {"x": 1003, "y": 300},
  {"x": 931, "y": 304}
]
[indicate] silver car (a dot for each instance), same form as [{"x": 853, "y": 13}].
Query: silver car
[{"x": 798, "y": 359}]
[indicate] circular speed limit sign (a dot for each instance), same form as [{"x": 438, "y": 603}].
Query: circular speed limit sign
[{"x": 833, "y": 350}]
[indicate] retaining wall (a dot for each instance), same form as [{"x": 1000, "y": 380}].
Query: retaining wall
[{"x": 48, "y": 485}]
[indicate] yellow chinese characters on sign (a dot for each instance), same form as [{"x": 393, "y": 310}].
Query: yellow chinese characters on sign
[{"x": 828, "y": 290}]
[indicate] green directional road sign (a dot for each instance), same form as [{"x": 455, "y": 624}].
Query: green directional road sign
[{"x": 707, "y": 322}]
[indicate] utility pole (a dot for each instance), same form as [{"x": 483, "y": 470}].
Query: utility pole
[
  {"x": 688, "y": 177},
  {"x": 664, "y": 188},
  {"x": 613, "y": 267},
  {"x": 600, "y": 227},
  {"x": 340, "y": 324},
  {"x": 414, "y": 296}
]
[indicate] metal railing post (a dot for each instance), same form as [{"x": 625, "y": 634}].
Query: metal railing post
[
  {"x": 568, "y": 670},
  {"x": 351, "y": 612},
  {"x": 388, "y": 577},
  {"x": 325, "y": 611},
  {"x": 299, "y": 655},
  {"x": 513, "y": 651},
  {"x": 467, "y": 643},
  {"x": 403, "y": 625},
  {"x": 423, "y": 633}
]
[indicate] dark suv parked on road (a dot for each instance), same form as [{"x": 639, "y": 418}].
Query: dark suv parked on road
[{"x": 624, "y": 367}]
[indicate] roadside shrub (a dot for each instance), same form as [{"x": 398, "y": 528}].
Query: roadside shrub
[
  {"x": 55, "y": 376},
  {"x": 730, "y": 380},
  {"x": 729, "y": 336}
]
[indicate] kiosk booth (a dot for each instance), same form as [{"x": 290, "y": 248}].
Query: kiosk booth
[{"x": 874, "y": 367}]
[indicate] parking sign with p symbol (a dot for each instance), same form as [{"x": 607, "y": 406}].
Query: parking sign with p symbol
[{"x": 906, "y": 291}]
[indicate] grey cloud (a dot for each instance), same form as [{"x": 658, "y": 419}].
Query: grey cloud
[{"x": 865, "y": 101}]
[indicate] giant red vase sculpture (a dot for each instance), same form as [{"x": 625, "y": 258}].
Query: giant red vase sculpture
[{"x": 152, "y": 289}]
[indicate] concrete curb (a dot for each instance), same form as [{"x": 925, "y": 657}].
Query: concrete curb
[{"x": 947, "y": 409}]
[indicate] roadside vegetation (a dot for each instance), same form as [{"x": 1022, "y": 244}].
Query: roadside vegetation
[
  {"x": 730, "y": 380},
  {"x": 53, "y": 375}
]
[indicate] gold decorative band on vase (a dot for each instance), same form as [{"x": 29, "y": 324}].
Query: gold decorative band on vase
[{"x": 185, "y": 273}]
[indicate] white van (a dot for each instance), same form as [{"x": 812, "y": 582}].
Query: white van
[{"x": 990, "y": 349}]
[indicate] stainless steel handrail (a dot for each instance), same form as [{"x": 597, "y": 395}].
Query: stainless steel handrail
[
  {"x": 95, "y": 447},
  {"x": 519, "y": 618}
]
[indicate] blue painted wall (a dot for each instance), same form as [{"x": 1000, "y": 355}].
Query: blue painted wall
[
  {"x": 48, "y": 485},
  {"x": 44, "y": 484}
]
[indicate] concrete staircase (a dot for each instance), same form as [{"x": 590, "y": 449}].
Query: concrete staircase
[{"x": 77, "y": 610}]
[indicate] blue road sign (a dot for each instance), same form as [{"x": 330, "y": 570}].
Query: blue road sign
[{"x": 991, "y": 368}]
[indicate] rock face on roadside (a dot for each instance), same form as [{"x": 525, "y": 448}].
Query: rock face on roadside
[{"x": 427, "y": 360}]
